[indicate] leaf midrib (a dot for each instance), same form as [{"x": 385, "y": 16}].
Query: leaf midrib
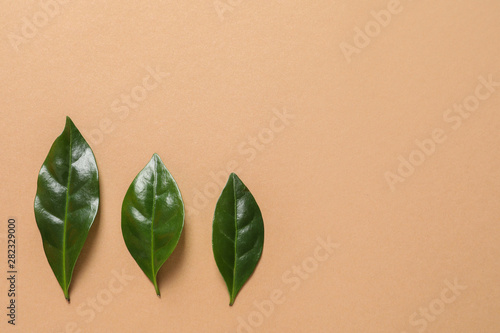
[
  {"x": 65, "y": 222},
  {"x": 152, "y": 226},
  {"x": 235, "y": 239}
]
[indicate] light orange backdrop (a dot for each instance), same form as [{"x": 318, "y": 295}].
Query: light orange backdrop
[{"x": 369, "y": 125}]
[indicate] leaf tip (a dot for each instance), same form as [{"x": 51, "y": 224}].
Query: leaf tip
[
  {"x": 68, "y": 120},
  {"x": 156, "y": 158},
  {"x": 70, "y": 125},
  {"x": 235, "y": 178}
]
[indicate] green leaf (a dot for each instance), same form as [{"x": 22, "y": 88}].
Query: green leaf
[
  {"x": 66, "y": 201},
  {"x": 238, "y": 235},
  {"x": 152, "y": 217}
]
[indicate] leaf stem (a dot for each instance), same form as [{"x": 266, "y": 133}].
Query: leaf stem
[{"x": 156, "y": 287}]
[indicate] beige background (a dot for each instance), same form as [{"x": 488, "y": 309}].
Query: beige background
[{"x": 320, "y": 175}]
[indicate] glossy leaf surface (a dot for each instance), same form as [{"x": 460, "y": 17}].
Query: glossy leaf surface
[
  {"x": 66, "y": 201},
  {"x": 237, "y": 236},
  {"x": 152, "y": 218}
]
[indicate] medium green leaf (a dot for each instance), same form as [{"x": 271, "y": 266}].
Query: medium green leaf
[
  {"x": 237, "y": 236},
  {"x": 66, "y": 201},
  {"x": 152, "y": 217}
]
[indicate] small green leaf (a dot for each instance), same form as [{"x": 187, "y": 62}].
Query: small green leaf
[
  {"x": 152, "y": 218},
  {"x": 66, "y": 201},
  {"x": 237, "y": 236}
]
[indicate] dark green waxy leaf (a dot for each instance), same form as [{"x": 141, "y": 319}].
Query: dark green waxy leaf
[
  {"x": 152, "y": 217},
  {"x": 237, "y": 236},
  {"x": 66, "y": 201}
]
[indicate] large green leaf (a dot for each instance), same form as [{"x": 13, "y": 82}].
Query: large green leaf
[
  {"x": 66, "y": 201},
  {"x": 238, "y": 235},
  {"x": 152, "y": 217}
]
